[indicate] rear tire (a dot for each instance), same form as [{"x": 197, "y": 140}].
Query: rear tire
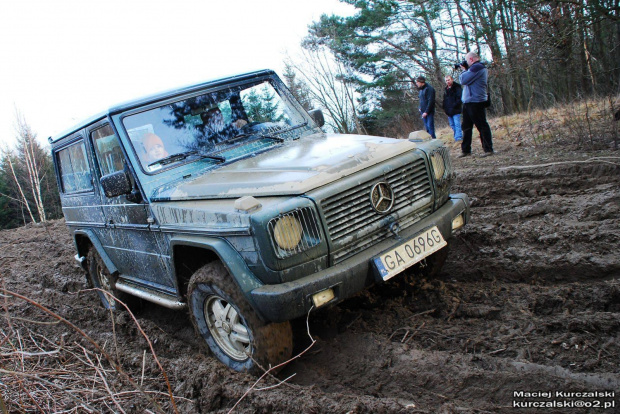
[
  {"x": 224, "y": 318},
  {"x": 100, "y": 277}
]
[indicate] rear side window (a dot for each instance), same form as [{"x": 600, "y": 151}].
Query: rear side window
[{"x": 74, "y": 169}]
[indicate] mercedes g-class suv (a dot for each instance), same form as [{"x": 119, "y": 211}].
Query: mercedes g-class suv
[{"x": 227, "y": 199}]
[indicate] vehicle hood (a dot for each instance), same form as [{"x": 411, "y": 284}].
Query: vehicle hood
[{"x": 294, "y": 168}]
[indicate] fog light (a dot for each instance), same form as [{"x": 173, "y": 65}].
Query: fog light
[
  {"x": 322, "y": 297},
  {"x": 458, "y": 222}
]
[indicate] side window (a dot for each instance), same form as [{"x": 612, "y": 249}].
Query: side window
[
  {"x": 108, "y": 150},
  {"x": 74, "y": 169}
]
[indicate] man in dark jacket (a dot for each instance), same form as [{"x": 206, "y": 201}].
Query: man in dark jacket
[
  {"x": 452, "y": 106},
  {"x": 427, "y": 104},
  {"x": 474, "y": 81}
]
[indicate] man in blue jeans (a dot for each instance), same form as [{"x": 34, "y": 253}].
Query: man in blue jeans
[
  {"x": 427, "y": 104},
  {"x": 452, "y": 106},
  {"x": 474, "y": 81}
]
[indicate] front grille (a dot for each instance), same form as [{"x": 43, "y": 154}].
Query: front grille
[{"x": 353, "y": 224}]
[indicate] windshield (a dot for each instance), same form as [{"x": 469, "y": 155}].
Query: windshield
[{"x": 217, "y": 126}]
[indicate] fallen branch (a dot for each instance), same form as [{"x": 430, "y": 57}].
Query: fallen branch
[
  {"x": 174, "y": 406},
  {"x": 551, "y": 164},
  {"x": 270, "y": 370},
  {"x": 113, "y": 363},
  {"x": 105, "y": 383},
  {"x": 17, "y": 318},
  {"x": 50, "y": 384},
  {"x": 422, "y": 313},
  {"x": 414, "y": 332},
  {"x": 497, "y": 351},
  {"x": 406, "y": 328}
]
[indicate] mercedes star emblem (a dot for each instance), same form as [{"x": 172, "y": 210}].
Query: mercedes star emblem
[{"x": 382, "y": 197}]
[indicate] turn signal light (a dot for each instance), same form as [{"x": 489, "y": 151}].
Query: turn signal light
[
  {"x": 458, "y": 222},
  {"x": 321, "y": 298}
]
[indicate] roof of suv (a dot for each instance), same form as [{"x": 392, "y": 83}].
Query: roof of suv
[{"x": 160, "y": 96}]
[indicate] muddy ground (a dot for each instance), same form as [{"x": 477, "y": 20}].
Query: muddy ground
[{"x": 529, "y": 300}]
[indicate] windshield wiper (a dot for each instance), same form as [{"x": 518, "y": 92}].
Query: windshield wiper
[
  {"x": 174, "y": 157},
  {"x": 182, "y": 155},
  {"x": 214, "y": 157},
  {"x": 257, "y": 135},
  {"x": 303, "y": 124},
  {"x": 278, "y": 139},
  {"x": 272, "y": 132}
]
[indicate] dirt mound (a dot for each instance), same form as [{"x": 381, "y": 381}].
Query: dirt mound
[{"x": 529, "y": 301}]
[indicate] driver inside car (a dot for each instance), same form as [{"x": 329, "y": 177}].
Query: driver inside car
[{"x": 216, "y": 130}]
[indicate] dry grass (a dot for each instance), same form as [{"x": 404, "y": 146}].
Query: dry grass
[
  {"x": 46, "y": 373},
  {"x": 582, "y": 123},
  {"x": 43, "y": 370}
]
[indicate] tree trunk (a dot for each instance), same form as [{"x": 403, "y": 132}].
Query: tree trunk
[{"x": 24, "y": 201}]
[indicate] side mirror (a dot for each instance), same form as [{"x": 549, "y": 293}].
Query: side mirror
[
  {"x": 317, "y": 116},
  {"x": 116, "y": 183}
]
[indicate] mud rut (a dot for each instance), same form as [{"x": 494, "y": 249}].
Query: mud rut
[{"x": 528, "y": 300}]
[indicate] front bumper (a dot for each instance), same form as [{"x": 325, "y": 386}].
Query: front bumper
[{"x": 286, "y": 301}]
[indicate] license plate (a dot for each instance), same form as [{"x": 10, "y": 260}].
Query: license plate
[{"x": 409, "y": 253}]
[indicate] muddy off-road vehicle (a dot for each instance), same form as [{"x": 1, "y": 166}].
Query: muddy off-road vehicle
[{"x": 226, "y": 198}]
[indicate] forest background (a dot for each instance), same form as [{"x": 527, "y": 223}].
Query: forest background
[{"x": 360, "y": 70}]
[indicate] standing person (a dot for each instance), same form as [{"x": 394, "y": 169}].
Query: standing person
[
  {"x": 216, "y": 129},
  {"x": 474, "y": 81},
  {"x": 427, "y": 104},
  {"x": 452, "y": 105}
]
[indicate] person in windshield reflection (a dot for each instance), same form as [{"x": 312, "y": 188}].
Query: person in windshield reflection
[
  {"x": 154, "y": 147},
  {"x": 216, "y": 130}
]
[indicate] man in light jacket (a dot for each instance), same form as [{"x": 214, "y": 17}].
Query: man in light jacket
[{"x": 474, "y": 82}]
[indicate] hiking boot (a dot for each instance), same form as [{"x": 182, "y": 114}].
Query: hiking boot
[
  {"x": 464, "y": 154},
  {"x": 487, "y": 154}
]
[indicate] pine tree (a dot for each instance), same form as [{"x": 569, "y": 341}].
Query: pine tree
[
  {"x": 28, "y": 189},
  {"x": 263, "y": 106},
  {"x": 298, "y": 88}
]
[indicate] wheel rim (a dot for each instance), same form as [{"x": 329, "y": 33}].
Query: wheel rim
[
  {"x": 227, "y": 328},
  {"x": 104, "y": 281}
]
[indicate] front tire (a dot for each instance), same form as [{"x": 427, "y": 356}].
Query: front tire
[{"x": 230, "y": 327}]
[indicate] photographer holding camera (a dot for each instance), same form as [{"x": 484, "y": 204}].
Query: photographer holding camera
[{"x": 474, "y": 81}]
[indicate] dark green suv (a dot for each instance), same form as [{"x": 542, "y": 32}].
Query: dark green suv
[{"x": 226, "y": 198}]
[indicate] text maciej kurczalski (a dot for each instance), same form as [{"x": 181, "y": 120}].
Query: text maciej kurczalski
[{"x": 564, "y": 394}]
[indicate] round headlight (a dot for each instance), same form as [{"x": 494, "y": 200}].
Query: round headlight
[
  {"x": 439, "y": 167},
  {"x": 287, "y": 232}
]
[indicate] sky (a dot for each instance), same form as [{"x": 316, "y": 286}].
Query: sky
[{"x": 62, "y": 61}]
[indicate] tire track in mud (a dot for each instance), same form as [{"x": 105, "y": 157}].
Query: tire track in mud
[
  {"x": 528, "y": 300},
  {"x": 475, "y": 343},
  {"x": 554, "y": 224}
]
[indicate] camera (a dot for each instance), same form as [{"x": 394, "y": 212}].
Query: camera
[{"x": 463, "y": 63}]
